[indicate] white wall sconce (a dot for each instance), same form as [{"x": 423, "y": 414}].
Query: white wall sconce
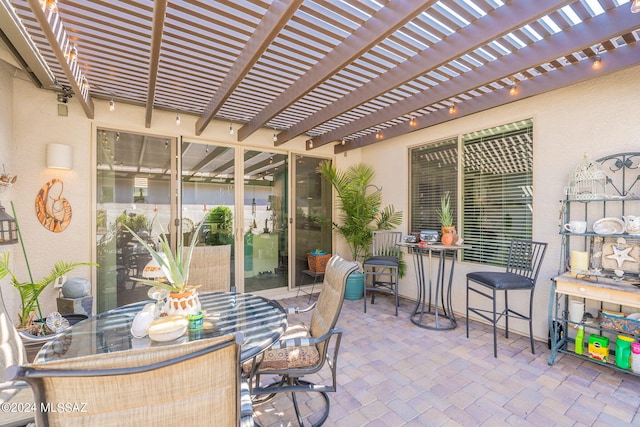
[{"x": 59, "y": 156}]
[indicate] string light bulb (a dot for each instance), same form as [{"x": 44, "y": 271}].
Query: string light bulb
[
  {"x": 379, "y": 135},
  {"x": 412, "y": 122},
  {"x": 452, "y": 109},
  {"x": 597, "y": 63},
  {"x": 112, "y": 105},
  {"x": 310, "y": 143},
  {"x": 231, "y": 131},
  {"x": 73, "y": 54},
  {"x": 177, "y": 119},
  {"x": 51, "y": 5},
  {"x": 85, "y": 84},
  {"x": 344, "y": 141},
  {"x": 275, "y": 136},
  {"x": 513, "y": 89},
  {"x": 635, "y": 6}
]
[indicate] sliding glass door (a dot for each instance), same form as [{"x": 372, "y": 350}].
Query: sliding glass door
[
  {"x": 265, "y": 229},
  {"x": 134, "y": 185},
  {"x": 312, "y": 212},
  {"x": 247, "y": 225},
  {"x": 208, "y": 197}
]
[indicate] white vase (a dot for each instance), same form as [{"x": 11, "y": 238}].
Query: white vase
[{"x": 183, "y": 304}]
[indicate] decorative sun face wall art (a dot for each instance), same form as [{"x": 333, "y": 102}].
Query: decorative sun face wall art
[{"x": 53, "y": 210}]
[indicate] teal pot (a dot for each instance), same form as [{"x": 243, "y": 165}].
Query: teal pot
[{"x": 355, "y": 286}]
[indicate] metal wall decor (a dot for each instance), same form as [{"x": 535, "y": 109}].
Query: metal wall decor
[{"x": 53, "y": 210}]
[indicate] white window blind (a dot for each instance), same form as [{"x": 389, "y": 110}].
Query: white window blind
[
  {"x": 434, "y": 169},
  {"x": 497, "y": 190}
]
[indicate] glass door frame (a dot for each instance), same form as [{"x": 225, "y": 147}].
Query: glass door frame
[
  {"x": 239, "y": 194},
  {"x": 172, "y": 141}
]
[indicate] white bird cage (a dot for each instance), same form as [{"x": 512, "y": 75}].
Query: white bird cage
[{"x": 588, "y": 181}]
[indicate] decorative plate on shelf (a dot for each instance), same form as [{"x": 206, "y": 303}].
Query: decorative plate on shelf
[{"x": 608, "y": 226}]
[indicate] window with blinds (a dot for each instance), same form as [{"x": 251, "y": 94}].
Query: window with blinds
[
  {"x": 434, "y": 170},
  {"x": 497, "y": 190},
  {"x": 496, "y": 187}
]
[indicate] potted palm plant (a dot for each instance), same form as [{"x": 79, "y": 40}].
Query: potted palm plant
[
  {"x": 182, "y": 299},
  {"x": 30, "y": 318},
  {"x": 445, "y": 214},
  {"x": 361, "y": 213}
]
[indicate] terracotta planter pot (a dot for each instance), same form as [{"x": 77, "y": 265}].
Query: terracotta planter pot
[
  {"x": 184, "y": 303},
  {"x": 318, "y": 263},
  {"x": 449, "y": 235}
]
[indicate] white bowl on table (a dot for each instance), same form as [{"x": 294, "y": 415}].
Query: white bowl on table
[{"x": 168, "y": 328}]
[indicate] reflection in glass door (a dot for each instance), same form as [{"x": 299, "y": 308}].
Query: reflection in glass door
[
  {"x": 133, "y": 189},
  {"x": 313, "y": 213},
  {"x": 208, "y": 187},
  {"x": 265, "y": 228}
]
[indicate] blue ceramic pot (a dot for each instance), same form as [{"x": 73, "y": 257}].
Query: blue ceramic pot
[{"x": 355, "y": 286}]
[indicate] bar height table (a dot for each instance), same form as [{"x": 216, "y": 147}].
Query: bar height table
[{"x": 431, "y": 313}]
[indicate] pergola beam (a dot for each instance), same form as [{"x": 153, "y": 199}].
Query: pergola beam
[
  {"x": 494, "y": 25},
  {"x": 274, "y": 20},
  {"x": 618, "y": 59},
  {"x": 605, "y": 26},
  {"x": 387, "y": 20},
  {"x": 51, "y": 25},
  {"x": 159, "y": 13}
]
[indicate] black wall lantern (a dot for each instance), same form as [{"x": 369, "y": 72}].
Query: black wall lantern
[{"x": 8, "y": 228}]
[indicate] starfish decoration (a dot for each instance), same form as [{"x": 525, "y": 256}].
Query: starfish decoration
[{"x": 621, "y": 255}]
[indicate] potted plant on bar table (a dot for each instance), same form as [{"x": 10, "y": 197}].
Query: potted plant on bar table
[{"x": 449, "y": 235}]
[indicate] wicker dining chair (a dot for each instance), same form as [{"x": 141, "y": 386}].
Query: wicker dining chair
[
  {"x": 303, "y": 351},
  {"x": 210, "y": 268},
  {"x": 523, "y": 265},
  {"x": 189, "y": 384}
]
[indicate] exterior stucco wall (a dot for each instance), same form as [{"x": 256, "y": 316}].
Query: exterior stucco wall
[{"x": 596, "y": 117}]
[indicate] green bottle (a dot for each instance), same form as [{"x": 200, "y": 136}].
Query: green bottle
[{"x": 580, "y": 340}]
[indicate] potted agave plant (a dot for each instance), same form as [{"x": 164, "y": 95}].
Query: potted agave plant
[{"x": 182, "y": 299}]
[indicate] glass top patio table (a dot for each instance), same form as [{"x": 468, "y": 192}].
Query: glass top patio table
[{"x": 262, "y": 321}]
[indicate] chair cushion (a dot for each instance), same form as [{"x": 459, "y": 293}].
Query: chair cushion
[
  {"x": 500, "y": 280},
  {"x": 386, "y": 261},
  {"x": 291, "y": 357}
]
